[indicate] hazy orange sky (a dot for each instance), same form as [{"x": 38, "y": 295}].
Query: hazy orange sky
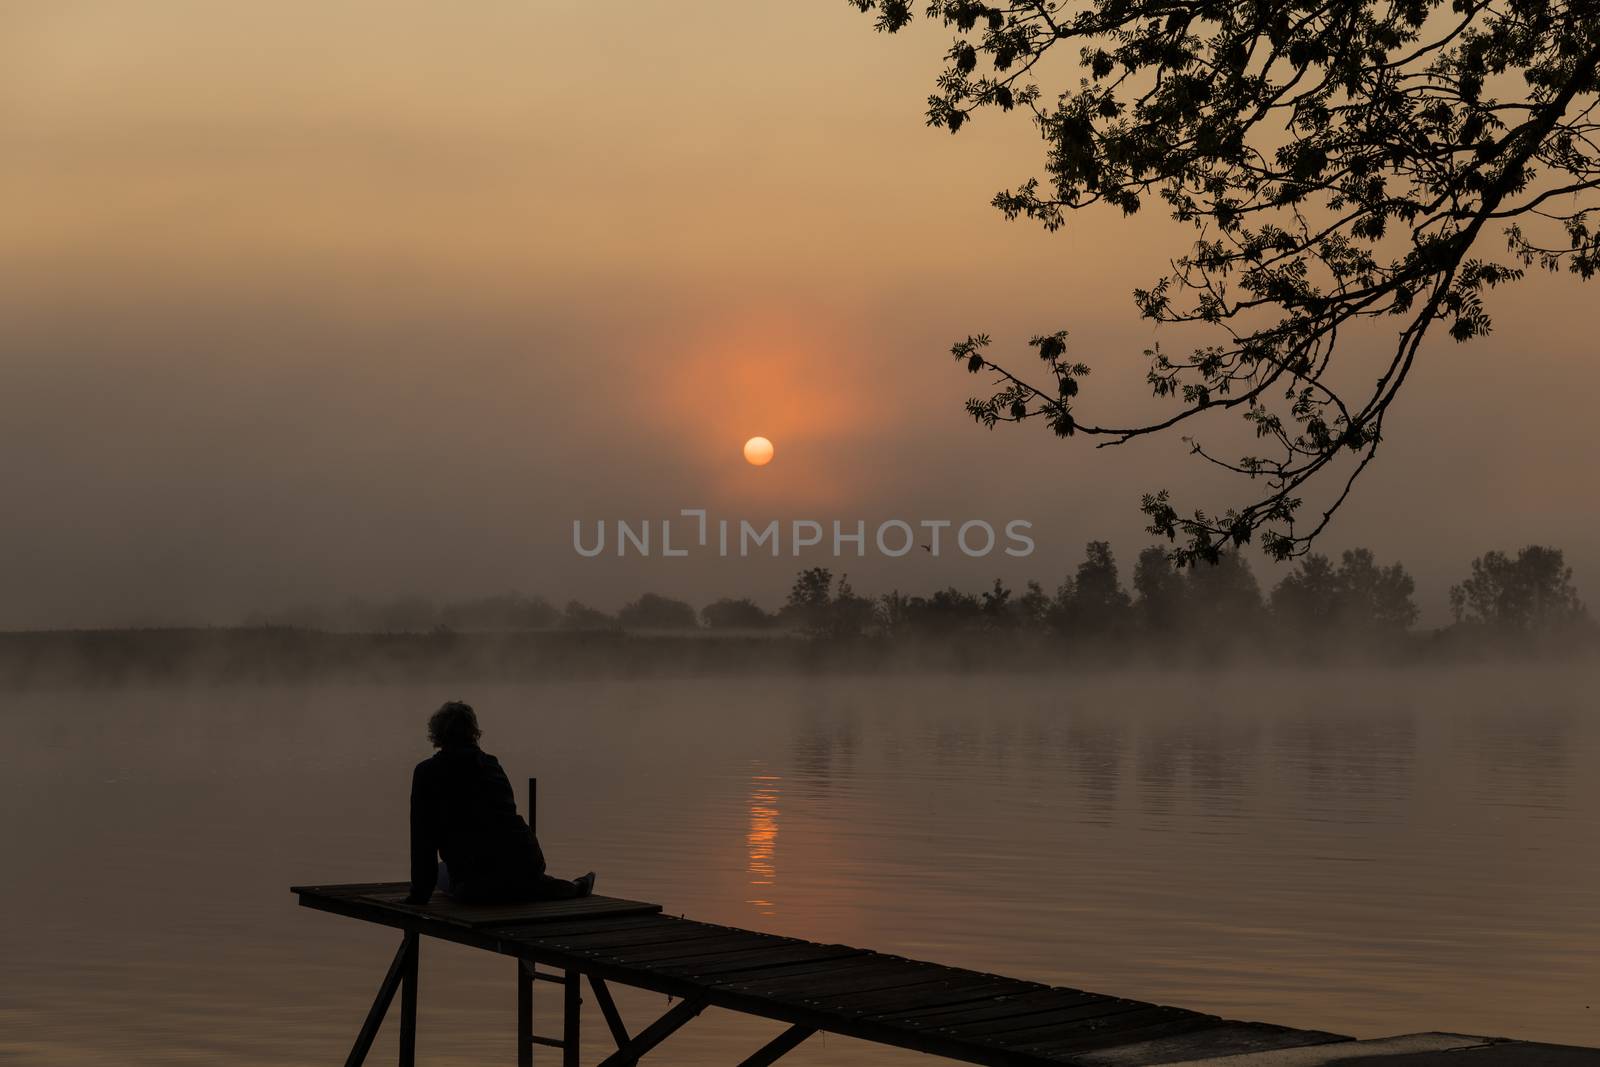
[{"x": 307, "y": 301}]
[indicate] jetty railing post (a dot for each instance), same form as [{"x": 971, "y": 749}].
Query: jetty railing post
[
  {"x": 408, "y": 1000},
  {"x": 525, "y": 1040}
]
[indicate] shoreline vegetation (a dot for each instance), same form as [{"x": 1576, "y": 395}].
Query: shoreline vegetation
[
  {"x": 1354, "y": 611},
  {"x": 278, "y": 655}
]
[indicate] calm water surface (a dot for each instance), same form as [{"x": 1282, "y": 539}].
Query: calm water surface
[{"x": 1368, "y": 854}]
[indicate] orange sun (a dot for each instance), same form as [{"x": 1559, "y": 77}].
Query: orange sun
[{"x": 758, "y": 451}]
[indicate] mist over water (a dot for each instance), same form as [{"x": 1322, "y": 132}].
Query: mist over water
[{"x": 1367, "y": 853}]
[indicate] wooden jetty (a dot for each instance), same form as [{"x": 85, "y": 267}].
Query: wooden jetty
[
  {"x": 946, "y": 1011},
  {"x": 950, "y": 1012}
]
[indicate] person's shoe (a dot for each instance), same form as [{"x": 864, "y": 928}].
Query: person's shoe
[{"x": 585, "y": 884}]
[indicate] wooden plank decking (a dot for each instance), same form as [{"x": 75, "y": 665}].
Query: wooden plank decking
[{"x": 928, "y": 1007}]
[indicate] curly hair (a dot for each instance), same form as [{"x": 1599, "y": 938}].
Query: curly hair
[{"x": 454, "y": 723}]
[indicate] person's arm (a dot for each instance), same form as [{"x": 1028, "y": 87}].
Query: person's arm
[{"x": 424, "y": 840}]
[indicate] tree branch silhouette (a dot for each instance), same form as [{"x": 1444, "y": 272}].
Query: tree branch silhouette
[{"x": 1340, "y": 160}]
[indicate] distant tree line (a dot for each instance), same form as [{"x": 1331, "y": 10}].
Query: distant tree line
[{"x": 1320, "y": 602}]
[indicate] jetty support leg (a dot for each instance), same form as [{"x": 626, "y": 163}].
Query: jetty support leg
[
  {"x": 608, "y": 1008},
  {"x": 655, "y": 1033},
  {"x": 524, "y": 1015},
  {"x": 779, "y": 1046},
  {"x": 408, "y": 1000},
  {"x": 380, "y": 1006},
  {"x": 571, "y": 1018}
]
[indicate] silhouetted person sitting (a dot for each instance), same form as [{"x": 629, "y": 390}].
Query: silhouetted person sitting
[{"x": 464, "y": 813}]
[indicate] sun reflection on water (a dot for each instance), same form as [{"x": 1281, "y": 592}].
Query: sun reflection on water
[{"x": 762, "y": 841}]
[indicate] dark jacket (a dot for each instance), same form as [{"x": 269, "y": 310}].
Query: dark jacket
[{"x": 464, "y": 812}]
